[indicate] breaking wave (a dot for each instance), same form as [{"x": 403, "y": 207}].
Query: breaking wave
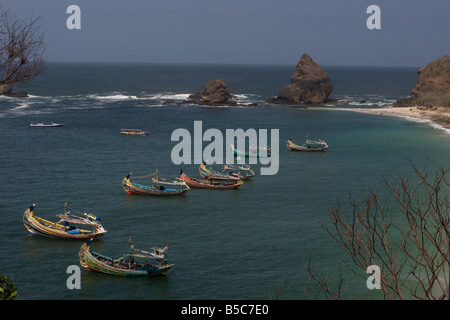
[
  {"x": 369, "y": 101},
  {"x": 35, "y": 104}
]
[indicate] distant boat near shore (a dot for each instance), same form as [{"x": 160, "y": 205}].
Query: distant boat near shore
[
  {"x": 44, "y": 124},
  {"x": 309, "y": 145},
  {"x": 137, "y": 132}
]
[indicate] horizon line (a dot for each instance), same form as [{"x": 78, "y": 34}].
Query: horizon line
[{"x": 227, "y": 64}]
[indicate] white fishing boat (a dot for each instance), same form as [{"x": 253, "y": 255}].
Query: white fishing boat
[{"x": 43, "y": 124}]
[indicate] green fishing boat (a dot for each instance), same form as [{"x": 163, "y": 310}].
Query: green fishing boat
[
  {"x": 129, "y": 264},
  {"x": 309, "y": 145}
]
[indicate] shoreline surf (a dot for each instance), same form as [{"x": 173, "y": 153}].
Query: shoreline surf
[{"x": 437, "y": 118}]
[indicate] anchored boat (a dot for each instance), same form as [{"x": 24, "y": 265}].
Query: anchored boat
[
  {"x": 210, "y": 184},
  {"x": 44, "y": 124},
  {"x": 211, "y": 174},
  {"x": 253, "y": 151},
  {"x": 309, "y": 145},
  {"x": 159, "y": 187},
  {"x": 135, "y": 132},
  {"x": 243, "y": 171},
  {"x": 129, "y": 264},
  {"x": 71, "y": 225}
]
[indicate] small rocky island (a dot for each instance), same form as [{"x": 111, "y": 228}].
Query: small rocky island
[
  {"x": 309, "y": 84},
  {"x": 215, "y": 93},
  {"x": 6, "y": 90}
]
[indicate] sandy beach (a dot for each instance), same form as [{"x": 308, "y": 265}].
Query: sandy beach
[{"x": 439, "y": 117}]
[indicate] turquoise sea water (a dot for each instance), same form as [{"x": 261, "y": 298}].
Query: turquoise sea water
[{"x": 250, "y": 243}]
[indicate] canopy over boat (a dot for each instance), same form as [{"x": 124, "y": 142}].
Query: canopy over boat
[
  {"x": 71, "y": 225},
  {"x": 309, "y": 145},
  {"x": 129, "y": 264},
  {"x": 210, "y": 184},
  {"x": 159, "y": 187}
]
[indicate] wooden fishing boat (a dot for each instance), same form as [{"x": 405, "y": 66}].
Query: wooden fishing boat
[
  {"x": 71, "y": 224},
  {"x": 129, "y": 264},
  {"x": 210, "y": 184},
  {"x": 243, "y": 171},
  {"x": 309, "y": 145},
  {"x": 135, "y": 132},
  {"x": 159, "y": 187},
  {"x": 253, "y": 151},
  {"x": 44, "y": 124},
  {"x": 211, "y": 174}
]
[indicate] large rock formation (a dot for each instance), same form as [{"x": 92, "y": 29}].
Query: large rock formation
[
  {"x": 433, "y": 86},
  {"x": 309, "y": 84},
  {"x": 215, "y": 92}
]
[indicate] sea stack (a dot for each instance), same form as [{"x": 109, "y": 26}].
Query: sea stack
[
  {"x": 215, "y": 92},
  {"x": 309, "y": 84},
  {"x": 432, "y": 88}
]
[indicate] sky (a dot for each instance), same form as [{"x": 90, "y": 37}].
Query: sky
[{"x": 278, "y": 32}]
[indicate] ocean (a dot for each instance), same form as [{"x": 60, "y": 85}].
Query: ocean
[{"x": 252, "y": 243}]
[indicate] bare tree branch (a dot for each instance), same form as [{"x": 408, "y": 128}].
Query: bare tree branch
[
  {"x": 408, "y": 237},
  {"x": 22, "y": 48}
]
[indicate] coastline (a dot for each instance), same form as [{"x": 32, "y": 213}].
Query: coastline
[{"x": 438, "y": 118}]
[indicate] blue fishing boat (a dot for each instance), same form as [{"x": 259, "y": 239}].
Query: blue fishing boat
[
  {"x": 159, "y": 186},
  {"x": 253, "y": 151}
]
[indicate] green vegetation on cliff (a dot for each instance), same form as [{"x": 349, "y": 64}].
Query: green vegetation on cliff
[{"x": 433, "y": 86}]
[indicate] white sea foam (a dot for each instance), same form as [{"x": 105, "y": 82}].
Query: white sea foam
[
  {"x": 113, "y": 97},
  {"x": 144, "y": 96},
  {"x": 439, "y": 127},
  {"x": 174, "y": 96},
  {"x": 24, "y": 108},
  {"x": 429, "y": 122},
  {"x": 406, "y": 117},
  {"x": 241, "y": 96}
]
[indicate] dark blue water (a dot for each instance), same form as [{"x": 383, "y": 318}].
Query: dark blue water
[{"x": 250, "y": 243}]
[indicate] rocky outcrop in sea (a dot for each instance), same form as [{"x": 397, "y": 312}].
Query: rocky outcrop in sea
[
  {"x": 6, "y": 90},
  {"x": 215, "y": 93},
  {"x": 309, "y": 84}
]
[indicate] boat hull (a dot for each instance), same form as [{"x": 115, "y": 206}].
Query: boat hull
[
  {"x": 209, "y": 174},
  {"x": 90, "y": 261},
  {"x": 251, "y": 153},
  {"x": 306, "y": 147},
  {"x": 36, "y": 225},
  {"x": 134, "y": 132},
  {"x": 208, "y": 184},
  {"x": 135, "y": 188},
  {"x": 244, "y": 172},
  {"x": 44, "y": 124}
]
